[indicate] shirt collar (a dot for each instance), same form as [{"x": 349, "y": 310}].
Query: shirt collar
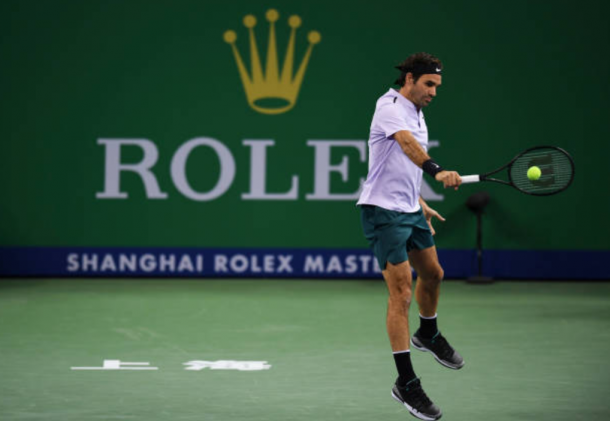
[{"x": 404, "y": 101}]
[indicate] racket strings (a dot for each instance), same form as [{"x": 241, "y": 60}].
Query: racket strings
[{"x": 557, "y": 171}]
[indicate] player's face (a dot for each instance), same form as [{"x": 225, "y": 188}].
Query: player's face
[{"x": 424, "y": 89}]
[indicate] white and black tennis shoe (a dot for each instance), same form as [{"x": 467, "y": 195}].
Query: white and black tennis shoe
[
  {"x": 440, "y": 348},
  {"x": 413, "y": 397}
]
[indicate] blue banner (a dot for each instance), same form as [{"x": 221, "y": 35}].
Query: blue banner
[{"x": 285, "y": 263}]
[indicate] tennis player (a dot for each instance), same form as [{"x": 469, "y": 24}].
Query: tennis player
[{"x": 397, "y": 222}]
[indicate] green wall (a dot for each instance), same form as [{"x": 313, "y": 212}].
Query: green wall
[{"x": 517, "y": 74}]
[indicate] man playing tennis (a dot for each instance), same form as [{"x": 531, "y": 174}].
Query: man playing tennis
[{"x": 398, "y": 223}]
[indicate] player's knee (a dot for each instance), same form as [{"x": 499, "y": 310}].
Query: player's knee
[
  {"x": 439, "y": 274},
  {"x": 433, "y": 278},
  {"x": 401, "y": 298}
]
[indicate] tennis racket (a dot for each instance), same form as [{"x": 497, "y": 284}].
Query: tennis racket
[{"x": 556, "y": 166}]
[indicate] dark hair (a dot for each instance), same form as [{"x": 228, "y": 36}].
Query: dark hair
[{"x": 417, "y": 60}]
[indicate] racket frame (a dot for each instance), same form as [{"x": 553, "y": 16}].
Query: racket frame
[{"x": 486, "y": 176}]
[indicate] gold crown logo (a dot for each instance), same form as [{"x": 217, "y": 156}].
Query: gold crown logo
[{"x": 272, "y": 92}]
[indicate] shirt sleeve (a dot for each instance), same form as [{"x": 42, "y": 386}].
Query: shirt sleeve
[{"x": 390, "y": 120}]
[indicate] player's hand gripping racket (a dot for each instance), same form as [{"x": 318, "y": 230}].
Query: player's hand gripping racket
[{"x": 556, "y": 171}]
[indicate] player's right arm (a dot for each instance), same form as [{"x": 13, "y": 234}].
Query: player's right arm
[{"x": 418, "y": 155}]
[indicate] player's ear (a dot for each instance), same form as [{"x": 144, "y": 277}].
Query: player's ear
[{"x": 409, "y": 79}]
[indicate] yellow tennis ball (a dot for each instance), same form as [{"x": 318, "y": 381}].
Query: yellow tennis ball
[{"x": 534, "y": 173}]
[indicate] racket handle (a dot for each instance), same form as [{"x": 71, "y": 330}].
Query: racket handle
[{"x": 467, "y": 179}]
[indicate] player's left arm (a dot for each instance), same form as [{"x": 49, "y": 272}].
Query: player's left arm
[{"x": 430, "y": 213}]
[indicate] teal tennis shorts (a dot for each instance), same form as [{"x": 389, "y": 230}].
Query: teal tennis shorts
[{"x": 392, "y": 234}]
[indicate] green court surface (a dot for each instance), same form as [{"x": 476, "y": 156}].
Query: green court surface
[{"x": 533, "y": 350}]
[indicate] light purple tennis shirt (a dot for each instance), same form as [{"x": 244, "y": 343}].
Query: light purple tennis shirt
[{"x": 394, "y": 181}]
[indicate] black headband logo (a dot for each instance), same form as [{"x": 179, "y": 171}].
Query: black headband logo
[{"x": 422, "y": 69}]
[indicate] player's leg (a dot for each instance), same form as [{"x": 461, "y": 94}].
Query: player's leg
[
  {"x": 388, "y": 233},
  {"x": 429, "y": 277},
  {"x": 388, "y": 238},
  {"x": 398, "y": 279},
  {"x": 407, "y": 390},
  {"x": 427, "y": 291}
]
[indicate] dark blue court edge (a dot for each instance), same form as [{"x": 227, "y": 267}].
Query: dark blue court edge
[{"x": 458, "y": 264}]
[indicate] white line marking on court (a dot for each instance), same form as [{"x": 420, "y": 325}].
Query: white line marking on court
[{"x": 119, "y": 365}]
